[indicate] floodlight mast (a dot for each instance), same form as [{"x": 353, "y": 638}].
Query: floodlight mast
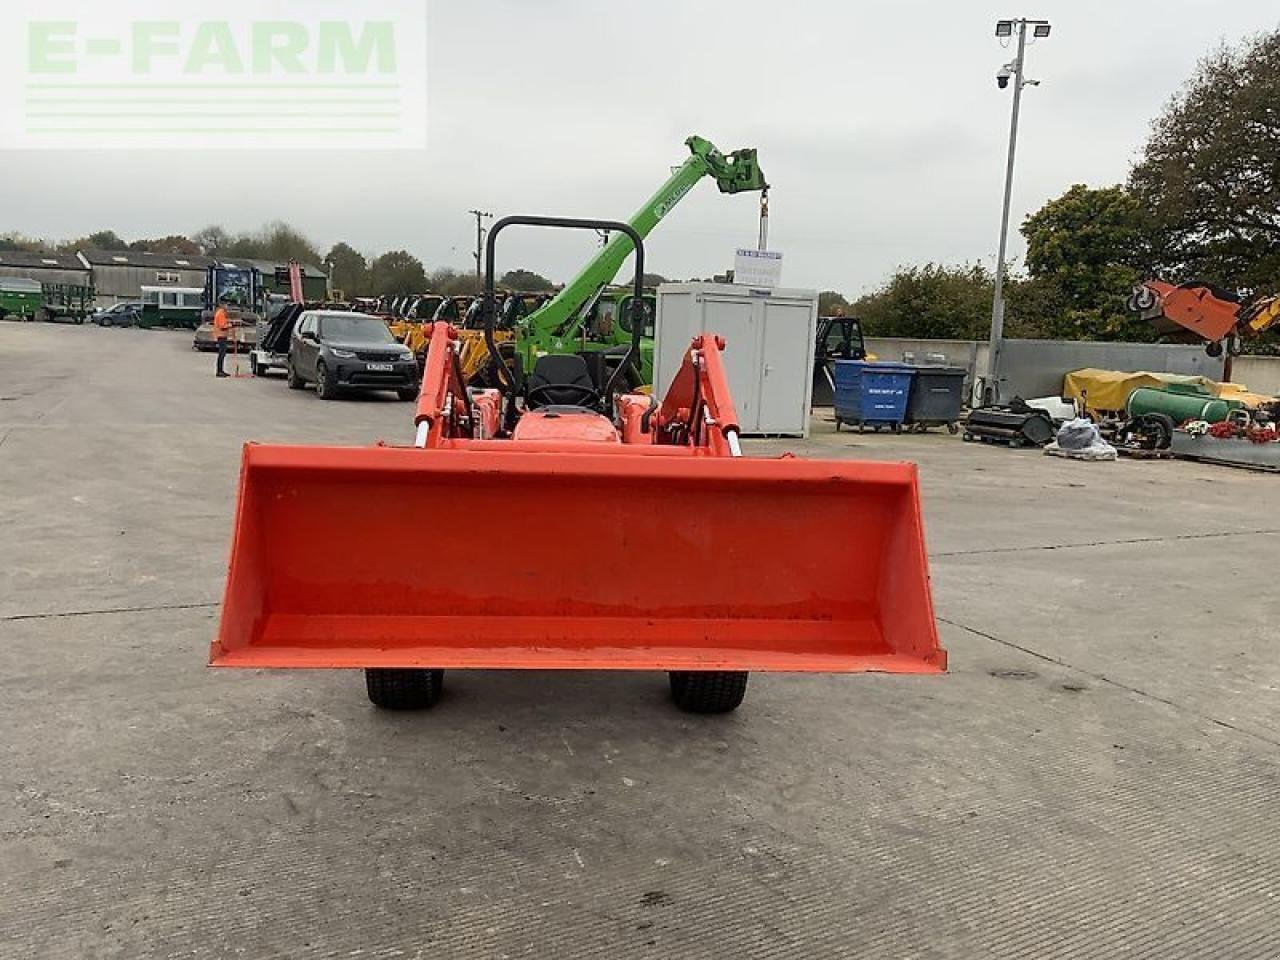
[{"x": 1010, "y": 71}]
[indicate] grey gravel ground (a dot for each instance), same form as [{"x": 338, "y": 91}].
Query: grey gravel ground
[{"x": 1095, "y": 777}]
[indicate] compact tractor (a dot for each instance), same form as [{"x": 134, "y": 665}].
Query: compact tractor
[{"x": 649, "y": 542}]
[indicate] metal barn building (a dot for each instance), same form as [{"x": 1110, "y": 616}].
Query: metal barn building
[
  {"x": 120, "y": 275},
  {"x": 63, "y": 268}
]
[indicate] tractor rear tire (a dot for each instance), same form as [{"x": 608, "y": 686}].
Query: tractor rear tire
[
  {"x": 718, "y": 691},
  {"x": 403, "y": 689}
]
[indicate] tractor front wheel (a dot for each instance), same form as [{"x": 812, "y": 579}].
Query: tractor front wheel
[
  {"x": 403, "y": 689},
  {"x": 714, "y": 691}
]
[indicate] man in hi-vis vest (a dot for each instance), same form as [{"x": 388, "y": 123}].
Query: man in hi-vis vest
[{"x": 221, "y": 326}]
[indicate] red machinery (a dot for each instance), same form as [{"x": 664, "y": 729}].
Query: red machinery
[
  {"x": 296, "y": 294},
  {"x": 551, "y": 525},
  {"x": 1194, "y": 312}
]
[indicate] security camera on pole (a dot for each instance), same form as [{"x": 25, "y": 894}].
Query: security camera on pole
[{"x": 1010, "y": 71}]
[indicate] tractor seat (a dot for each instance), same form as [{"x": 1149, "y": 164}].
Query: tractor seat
[{"x": 561, "y": 380}]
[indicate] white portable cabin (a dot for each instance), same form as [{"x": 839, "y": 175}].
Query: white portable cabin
[{"x": 769, "y": 343}]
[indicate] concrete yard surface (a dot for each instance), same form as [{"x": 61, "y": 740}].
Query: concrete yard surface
[{"x": 1096, "y": 776}]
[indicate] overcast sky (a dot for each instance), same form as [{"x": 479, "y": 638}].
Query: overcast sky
[{"x": 879, "y": 125}]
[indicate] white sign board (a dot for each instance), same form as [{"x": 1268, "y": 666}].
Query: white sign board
[{"x": 757, "y": 268}]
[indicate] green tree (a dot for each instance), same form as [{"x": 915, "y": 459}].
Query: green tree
[
  {"x": 397, "y": 273},
  {"x": 275, "y": 241},
  {"x": 1034, "y": 309},
  {"x": 174, "y": 245},
  {"x": 650, "y": 280},
  {"x": 831, "y": 303},
  {"x": 98, "y": 240},
  {"x": 212, "y": 239},
  {"x": 1209, "y": 174},
  {"x": 350, "y": 269},
  {"x": 19, "y": 242},
  {"x": 452, "y": 283},
  {"x": 282, "y": 243},
  {"x": 244, "y": 245},
  {"x": 525, "y": 280},
  {"x": 930, "y": 301},
  {"x": 1084, "y": 249}
]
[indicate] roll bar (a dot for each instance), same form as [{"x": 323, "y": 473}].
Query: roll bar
[{"x": 506, "y": 378}]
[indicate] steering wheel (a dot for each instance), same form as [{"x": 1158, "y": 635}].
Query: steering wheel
[{"x": 588, "y": 394}]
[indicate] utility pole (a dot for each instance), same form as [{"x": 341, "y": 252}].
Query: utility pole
[
  {"x": 480, "y": 216},
  {"x": 1010, "y": 71}
]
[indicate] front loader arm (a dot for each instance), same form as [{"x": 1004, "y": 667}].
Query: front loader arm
[
  {"x": 698, "y": 409},
  {"x": 447, "y": 409}
]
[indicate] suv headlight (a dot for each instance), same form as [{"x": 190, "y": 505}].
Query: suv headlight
[
  {"x": 406, "y": 356},
  {"x": 342, "y": 354}
]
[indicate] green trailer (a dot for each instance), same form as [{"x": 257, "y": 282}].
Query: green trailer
[
  {"x": 172, "y": 307},
  {"x": 20, "y": 297},
  {"x": 66, "y": 302}
]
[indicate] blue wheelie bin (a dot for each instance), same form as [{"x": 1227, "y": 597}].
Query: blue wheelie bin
[{"x": 872, "y": 393}]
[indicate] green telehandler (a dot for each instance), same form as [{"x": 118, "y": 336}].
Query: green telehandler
[{"x": 586, "y": 315}]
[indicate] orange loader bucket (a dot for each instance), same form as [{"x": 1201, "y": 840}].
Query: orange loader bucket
[{"x": 494, "y": 557}]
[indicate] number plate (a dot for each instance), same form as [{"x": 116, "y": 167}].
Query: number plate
[{"x": 380, "y": 366}]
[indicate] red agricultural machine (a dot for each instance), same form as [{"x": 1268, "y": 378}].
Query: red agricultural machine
[
  {"x": 553, "y": 523},
  {"x": 1198, "y": 312}
]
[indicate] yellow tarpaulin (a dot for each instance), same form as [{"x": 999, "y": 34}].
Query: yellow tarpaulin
[
  {"x": 1109, "y": 389},
  {"x": 1238, "y": 391}
]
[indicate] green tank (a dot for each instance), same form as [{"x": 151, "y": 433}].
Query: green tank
[{"x": 1179, "y": 406}]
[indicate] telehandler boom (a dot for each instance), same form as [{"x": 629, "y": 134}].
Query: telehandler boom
[{"x": 555, "y": 326}]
